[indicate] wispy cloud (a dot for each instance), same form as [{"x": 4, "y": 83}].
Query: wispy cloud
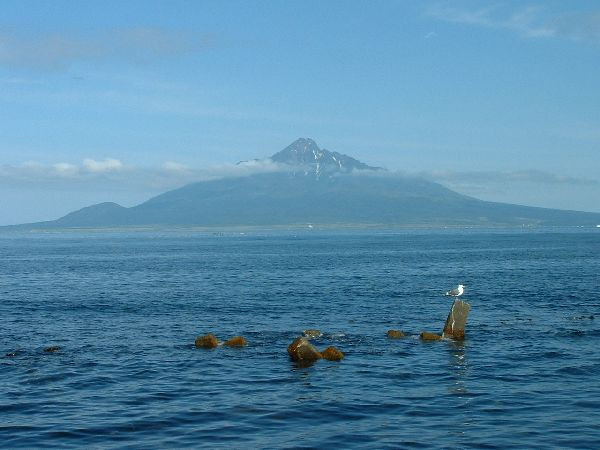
[
  {"x": 60, "y": 50},
  {"x": 60, "y": 173},
  {"x": 483, "y": 180},
  {"x": 126, "y": 182},
  {"x": 526, "y": 21}
]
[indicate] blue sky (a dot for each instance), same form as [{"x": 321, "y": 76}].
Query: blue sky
[{"x": 120, "y": 101}]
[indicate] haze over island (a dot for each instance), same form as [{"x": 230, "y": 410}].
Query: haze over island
[
  {"x": 304, "y": 185},
  {"x": 499, "y": 102}
]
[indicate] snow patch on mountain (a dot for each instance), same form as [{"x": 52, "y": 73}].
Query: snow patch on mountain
[{"x": 305, "y": 155}]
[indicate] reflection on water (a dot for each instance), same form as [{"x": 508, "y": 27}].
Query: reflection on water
[{"x": 458, "y": 365}]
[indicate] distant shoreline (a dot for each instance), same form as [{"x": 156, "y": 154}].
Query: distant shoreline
[{"x": 313, "y": 228}]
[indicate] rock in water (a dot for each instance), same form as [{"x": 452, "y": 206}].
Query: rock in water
[
  {"x": 457, "y": 320},
  {"x": 237, "y": 341},
  {"x": 303, "y": 352},
  {"x": 52, "y": 349},
  {"x": 332, "y": 354},
  {"x": 395, "y": 334},
  {"x": 312, "y": 334},
  {"x": 426, "y": 336},
  {"x": 207, "y": 341}
]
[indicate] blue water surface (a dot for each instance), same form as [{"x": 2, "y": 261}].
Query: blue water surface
[{"x": 125, "y": 309}]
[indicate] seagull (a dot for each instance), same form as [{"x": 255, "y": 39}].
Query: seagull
[{"x": 457, "y": 292}]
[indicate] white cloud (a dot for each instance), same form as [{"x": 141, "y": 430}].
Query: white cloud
[
  {"x": 526, "y": 21},
  {"x": 108, "y": 165},
  {"x": 112, "y": 174},
  {"x": 65, "y": 169},
  {"x": 61, "y": 174}
]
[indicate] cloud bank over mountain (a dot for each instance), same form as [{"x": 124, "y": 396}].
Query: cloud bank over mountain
[
  {"x": 112, "y": 174},
  {"x": 300, "y": 184}
]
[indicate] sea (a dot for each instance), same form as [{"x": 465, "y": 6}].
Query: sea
[{"x": 122, "y": 310}]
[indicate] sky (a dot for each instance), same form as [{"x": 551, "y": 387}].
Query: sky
[{"x": 119, "y": 101}]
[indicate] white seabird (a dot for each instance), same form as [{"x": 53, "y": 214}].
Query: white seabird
[{"x": 457, "y": 292}]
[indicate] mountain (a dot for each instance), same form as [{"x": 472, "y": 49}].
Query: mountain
[
  {"x": 316, "y": 186},
  {"x": 306, "y": 154}
]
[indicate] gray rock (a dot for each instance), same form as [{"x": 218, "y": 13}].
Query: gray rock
[{"x": 457, "y": 320}]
